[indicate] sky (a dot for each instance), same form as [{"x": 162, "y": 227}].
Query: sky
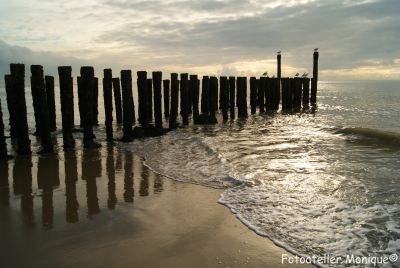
[{"x": 357, "y": 39}]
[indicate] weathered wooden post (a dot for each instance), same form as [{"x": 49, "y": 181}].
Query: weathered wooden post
[
  {"x": 51, "y": 101},
  {"x": 174, "y": 101},
  {"x": 253, "y": 95},
  {"x": 194, "y": 89},
  {"x": 285, "y": 94},
  {"x": 297, "y": 94},
  {"x": 185, "y": 99},
  {"x": 88, "y": 87},
  {"x": 3, "y": 145},
  {"x": 127, "y": 102},
  {"x": 279, "y": 65},
  {"x": 11, "y": 106},
  {"x": 67, "y": 102},
  {"x": 224, "y": 96},
  {"x": 39, "y": 91},
  {"x": 96, "y": 102},
  {"x": 306, "y": 92},
  {"x": 314, "y": 80},
  {"x": 166, "y": 97},
  {"x": 242, "y": 85},
  {"x": 277, "y": 93},
  {"x": 204, "y": 95},
  {"x": 117, "y": 99},
  {"x": 157, "y": 80},
  {"x": 18, "y": 89},
  {"x": 108, "y": 100},
  {"x": 213, "y": 100},
  {"x": 262, "y": 85},
  {"x": 232, "y": 86},
  {"x": 81, "y": 101},
  {"x": 149, "y": 95},
  {"x": 35, "y": 103},
  {"x": 142, "y": 98}
]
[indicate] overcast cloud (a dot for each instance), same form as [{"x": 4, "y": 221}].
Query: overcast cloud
[{"x": 358, "y": 39}]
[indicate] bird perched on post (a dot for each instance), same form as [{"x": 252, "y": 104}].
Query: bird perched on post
[
  {"x": 297, "y": 75},
  {"x": 305, "y": 75},
  {"x": 265, "y": 74},
  {"x": 315, "y": 49},
  {"x": 279, "y": 52}
]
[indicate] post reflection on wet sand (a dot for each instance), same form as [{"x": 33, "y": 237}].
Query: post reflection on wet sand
[
  {"x": 71, "y": 178},
  {"x": 128, "y": 177},
  {"x": 4, "y": 187},
  {"x": 91, "y": 170},
  {"x": 112, "y": 197}
]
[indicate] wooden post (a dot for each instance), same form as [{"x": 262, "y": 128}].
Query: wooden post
[
  {"x": 194, "y": 89},
  {"x": 35, "y": 102},
  {"x": 117, "y": 99},
  {"x": 306, "y": 92},
  {"x": 67, "y": 102},
  {"x": 142, "y": 98},
  {"x": 166, "y": 97},
  {"x": 190, "y": 89},
  {"x": 224, "y": 96},
  {"x": 242, "y": 87},
  {"x": 285, "y": 93},
  {"x": 314, "y": 80},
  {"x": 81, "y": 102},
  {"x": 157, "y": 80},
  {"x": 108, "y": 100},
  {"x": 277, "y": 93},
  {"x": 96, "y": 102},
  {"x": 127, "y": 102},
  {"x": 174, "y": 101},
  {"x": 149, "y": 104},
  {"x": 253, "y": 95},
  {"x": 88, "y": 87},
  {"x": 3, "y": 145},
  {"x": 184, "y": 99},
  {"x": 297, "y": 94},
  {"x": 232, "y": 86},
  {"x": 262, "y": 85},
  {"x": 39, "y": 91},
  {"x": 11, "y": 106},
  {"x": 204, "y": 95},
  {"x": 18, "y": 89},
  {"x": 213, "y": 100},
  {"x": 51, "y": 101}
]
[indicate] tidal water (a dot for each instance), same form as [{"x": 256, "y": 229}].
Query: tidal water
[{"x": 322, "y": 182}]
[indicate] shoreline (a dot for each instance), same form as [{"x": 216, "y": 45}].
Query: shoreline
[{"x": 130, "y": 218}]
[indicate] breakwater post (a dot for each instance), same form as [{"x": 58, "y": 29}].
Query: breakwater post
[
  {"x": 194, "y": 89},
  {"x": 224, "y": 97},
  {"x": 3, "y": 145},
  {"x": 108, "y": 107},
  {"x": 185, "y": 99},
  {"x": 174, "y": 101},
  {"x": 95, "y": 102},
  {"x": 42, "y": 111},
  {"x": 127, "y": 102},
  {"x": 11, "y": 106},
  {"x": 166, "y": 97},
  {"x": 142, "y": 98},
  {"x": 67, "y": 103},
  {"x": 51, "y": 101},
  {"x": 117, "y": 99},
  {"x": 314, "y": 80},
  {"x": 253, "y": 95},
  {"x": 232, "y": 103},
  {"x": 149, "y": 95},
  {"x": 306, "y": 92},
  {"x": 212, "y": 100},
  {"x": 262, "y": 83},
  {"x": 18, "y": 91},
  {"x": 204, "y": 95},
  {"x": 157, "y": 80},
  {"x": 242, "y": 96},
  {"x": 81, "y": 102},
  {"x": 88, "y": 84}
]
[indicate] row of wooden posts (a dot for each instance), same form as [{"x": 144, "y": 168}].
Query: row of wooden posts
[{"x": 266, "y": 94}]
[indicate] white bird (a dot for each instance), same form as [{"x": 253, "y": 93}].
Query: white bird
[
  {"x": 297, "y": 75},
  {"x": 315, "y": 49}
]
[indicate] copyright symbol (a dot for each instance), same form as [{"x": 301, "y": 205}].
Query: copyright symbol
[{"x": 393, "y": 257}]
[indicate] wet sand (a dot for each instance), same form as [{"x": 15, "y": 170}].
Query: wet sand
[{"x": 104, "y": 208}]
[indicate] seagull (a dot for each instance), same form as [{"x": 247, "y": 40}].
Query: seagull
[
  {"x": 279, "y": 52},
  {"x": 265, "y": 74},
  {"x": 305, "y": 75},
  {"x": 315, "y": 49},
  {"x": 297, "y": 75}
]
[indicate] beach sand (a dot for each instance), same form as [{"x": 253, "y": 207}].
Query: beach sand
[{"x": 106, "y": 209}]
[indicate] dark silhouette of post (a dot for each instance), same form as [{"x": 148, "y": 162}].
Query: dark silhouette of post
[
  {"x": 279, "y": 65},
  {"x": 205, "y": 95},
  {"x": 242, "y": 95},
  {"x": 51, "y": 101},
  {"x": 166, "y": 97},
  {"x": 11, "y": 106},
  {"x": 253, "y": 95},
  {"x": 18, "y": 89},
  {"x": 81, "y": 101},
  {"x": 149, "y": 95},
  {"x": 35, "y": 99},
  {"x": 174, "y": 101},
  {"x": 88, "y": 84},
  {"x": 127, "y": 102},
  {"x": 3, "y": 145},
  {"x": 262, "y": 84},
  {"x": 232, "y": 103},
  {"x": 67, "y": 102},
  {"x": 194, "y": 97},
  {"x": 96, "y": 102},
  {"x": 117, "y": 100},
  {"x": 108, "y": 101},
  {"x": 157, "y": 80},
  {"x": 42, "y": 111},
  {"x": 213, "y": 100},
  {"x": 306, "y": 92},
  {"x": 143, "y": 99},
  {"x": 185, "y": 99},
  {"x": 314, "y": 80},
  {"x": 224, "y": 97}
]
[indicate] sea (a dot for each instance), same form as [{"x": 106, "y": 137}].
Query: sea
[{"x": 316, "y": 182}]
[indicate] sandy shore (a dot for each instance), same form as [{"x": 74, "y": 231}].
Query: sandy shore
[{"x": 123, "y": 215}]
